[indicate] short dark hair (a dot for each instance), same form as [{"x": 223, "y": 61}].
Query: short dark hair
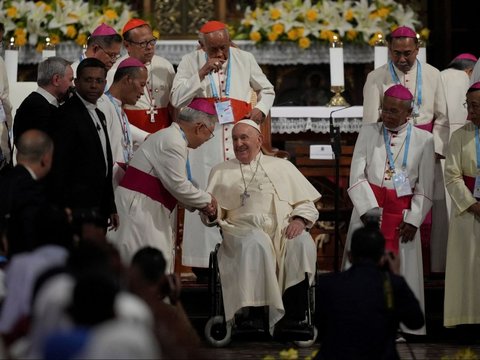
[
  {"x": 150, "y": 262},
  {"x": 126, "y": 71},
  {"x": 90, "y": 62},
  {"x": 33, "y": 144},
  {"x": 367, "y": 243},
  {"x": 104, "y": 40}
]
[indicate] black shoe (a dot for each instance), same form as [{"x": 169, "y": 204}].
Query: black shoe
[{"x": 293, "y": 330}]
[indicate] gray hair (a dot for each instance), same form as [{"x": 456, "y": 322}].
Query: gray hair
[
  {"x": 193, "y": 116},
  {"x": 201, "y": 36},
  {"x": 50, "y": 67},
  {"x": 33, "y": 145}
]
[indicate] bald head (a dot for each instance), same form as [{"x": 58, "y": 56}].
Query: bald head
[{"x": 35, "y": 149}]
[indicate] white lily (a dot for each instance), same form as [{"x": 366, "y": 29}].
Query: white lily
[{"x": 405, "y": 16}]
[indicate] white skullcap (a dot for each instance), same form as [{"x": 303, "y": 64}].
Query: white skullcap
[{"x": 251, "y": 123}]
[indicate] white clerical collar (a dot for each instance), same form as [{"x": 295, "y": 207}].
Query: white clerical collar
[
  {"x": 398, "y": 128},
  {"x": 49, "y": 97},
  {"x": 87, "y": 104}
]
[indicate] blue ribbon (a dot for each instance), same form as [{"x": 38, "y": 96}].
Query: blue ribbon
[
  {"x": 227, "y": 85},
  {"x": 477, "y": 143},
  {"x": 127, "y": 135},
  {"x": 405, "y": 153},
  {"x": 189, "y": 171},
  {"x": 418, "y": 85}
]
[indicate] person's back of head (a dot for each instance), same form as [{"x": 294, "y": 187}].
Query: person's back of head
[
  {"x": 53, "y": 227},
  {"x": 150, "y": 262},
  {"x": 50, "y": 67},
  {"x": 35, "y": 149},
  {"x": 368, "y": 244}
]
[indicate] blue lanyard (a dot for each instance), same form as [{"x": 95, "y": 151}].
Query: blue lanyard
[
  {"x": 227, "y": 85},
  {"x": 127, "y": 136},
  {"x": 418, "y": 84},
  {"x": 189, "y": 171},
  {"x": 477, "y": 143},
  {"x": 405, "y": 153}
]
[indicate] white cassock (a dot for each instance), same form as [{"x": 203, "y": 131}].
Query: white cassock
[
  {"x": 124, "y": 137},
  {"x": 5, "y": 111},
  {"x": 148, "y": 193},
  {"x": 368, "y": 174},
  {"x": 475, "y": 77},
  {"x": 154, "y": 102},
  {"x": 246, "y": 76},
  {"x": 432, "y": 116},
  {"x": 257, "y": 262},
  {"x": 462, "y": 288}
]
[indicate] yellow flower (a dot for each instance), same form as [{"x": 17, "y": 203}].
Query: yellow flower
[
  {"x": 278, "y": 28},
  {"x": 71, "y": 32},
  {"x": 20, "y": 40},
  {"x": 81, "y": 39},
  {"x": 327, "y": 35},
  {"x": 292, "y": 34},
  {"x": 272, "y": 36},
  {"x": 256, "y": 13},
  {"x": 110, "y": 14},
  {"x": 275, "y": 13},
  {"x": 73, "y": 16},
  {"x": 311, "y": 14},
  {"x": 290, "y": 354},
  {"x": 304, "y": 42},
  {"x": 54, "y": 39},
  {"x": 12, "y": 12},
  {"x": 348, "y": 15},
  {"x": 255, "y": 36},
  {"x": 40, "y": 47},
  {"x": 352, "y": 34},
  {"x": 425, "y": 33},
  {"x": 38, "y": 4},
  {"x": 48, "y": 8},
  {"x": 375, "y": 37},
  {"x": 373, "y": 15},
  {"x": 383, "y": 12},
  {"x": 20, "y": 32},
  {"x": 156, "y": 34},
  {"x": 300, "y": 32},
  {"x": 247, "y": 22}
]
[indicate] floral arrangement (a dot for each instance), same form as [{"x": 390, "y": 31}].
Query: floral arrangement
[
  {"x": 463, "y": 354},
  {"x": 32, "y": 22},
  {"x": 290, "y": 354},
  {"x": 300, "y": 21}
]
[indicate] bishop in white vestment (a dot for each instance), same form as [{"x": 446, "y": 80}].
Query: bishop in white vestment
[
  {"x": 218, "y": 72},
  {"x": 264, "y": 207},
  {"x": 387, "y": 152}
]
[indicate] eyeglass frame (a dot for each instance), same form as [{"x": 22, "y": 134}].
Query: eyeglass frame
[
  {"x": 143, "y": 44},
  {"x": 212, "y": 135},
  {"x": 110, "y": 55},
  {"x": 474, "y": 107}
]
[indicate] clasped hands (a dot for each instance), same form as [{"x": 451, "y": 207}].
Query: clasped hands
[{"x": 211, "y": 209}]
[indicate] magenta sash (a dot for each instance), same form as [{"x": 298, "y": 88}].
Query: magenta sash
[
  {"x": 427, "y": 127},
  {"x": 470, "y": 183},
  {"x": 137, "y": 180}
]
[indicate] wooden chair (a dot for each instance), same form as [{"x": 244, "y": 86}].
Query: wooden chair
[{"x": 321, "y": 174}]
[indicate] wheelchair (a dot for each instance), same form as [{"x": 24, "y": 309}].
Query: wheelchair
[{"x": 219, "y": 332}]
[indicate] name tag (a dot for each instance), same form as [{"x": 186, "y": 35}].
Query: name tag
[
  {"x": 401, "y": 183},
  {"x": 476, "y": 189},
  {"x": 224, "y": 112}
]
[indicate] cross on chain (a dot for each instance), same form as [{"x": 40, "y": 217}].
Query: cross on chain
[{"x": 152, "y": 111}]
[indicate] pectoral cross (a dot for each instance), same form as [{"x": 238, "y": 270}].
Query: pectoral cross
[
  {"x": 152, "y": 111},
  {"x": 389, "y": 173},
  {"x": 244, "y": 196}
]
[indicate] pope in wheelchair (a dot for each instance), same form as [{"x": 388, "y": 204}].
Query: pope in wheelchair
[{"x": 265, "y": 208}]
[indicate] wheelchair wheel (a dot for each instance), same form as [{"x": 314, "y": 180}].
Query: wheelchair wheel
[
  {"x": 217, "y": 332},
  {"x": 308, "y": 343}
]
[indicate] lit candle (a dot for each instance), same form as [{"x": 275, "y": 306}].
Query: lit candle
[
  {"x": 380, "y": 52},
  {"x": 422, "y": 50},
  {"x": 11, "y": 62},
  {"x": 336, "y": 63},
  {"x": 49, "y": 49}
]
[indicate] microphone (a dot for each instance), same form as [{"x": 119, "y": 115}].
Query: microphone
[{"x": 333, "y": 142}]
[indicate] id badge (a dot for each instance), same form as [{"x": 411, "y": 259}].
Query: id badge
[
  {"x": 476, "y": 189},
  {"x": 3, "y": 116},
  {"x": 401, "y": 183},
  {"x": 224, "y": 112}
]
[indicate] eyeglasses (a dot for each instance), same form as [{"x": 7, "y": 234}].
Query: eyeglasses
[
  {"x": 112, "y": 56},
  {"x": 144, "y": 44},
  {"x": 472, "y": 106},
  {"x": 210, "y": 131},
  {"x": 393, "y": 112}
]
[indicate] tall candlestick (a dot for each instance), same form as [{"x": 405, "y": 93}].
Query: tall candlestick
[
  {"x": 422, "y": 50},
  {"x": 380, "y": 52},
  {"x": 337, "y": 80},
  {"x": 11, "y": 62}
]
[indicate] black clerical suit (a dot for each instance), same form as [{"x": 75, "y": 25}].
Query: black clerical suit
[
  {"x": 81, "y": 179},
  {"x": 358, "y": 312}
]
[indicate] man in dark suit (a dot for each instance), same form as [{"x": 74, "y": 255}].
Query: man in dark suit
[
  {"x": 22, "y": 193},
  {"x": 358, "y": 311},
  {"x": 82, "y": 166},
  {"x": 37, "y": 111}
]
